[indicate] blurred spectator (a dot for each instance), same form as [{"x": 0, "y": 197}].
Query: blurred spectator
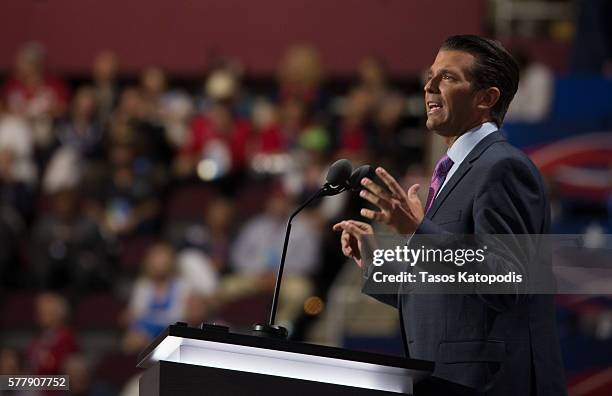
[
  {"x": 392, "y": 142},
  {"x": 215, "y": 232},
  {"x": 176, "y": 111},
  {"x": 372, "y": 79},
  {"x": 353, "y": 129},
  {"x": 64, "y": 171},
  {"x": 34, "y": 94},
  {"x": 221, "y": 85},
  {"x": 16, "y": 136},
  {"x": 127, "y": 198},
  {"x": 69, "y": 250},
  {"x": 217, "y": 144},
  {"x": 159, "y": 298},
  {"x": 259, "y": 244},
  {"x": 81, "y": 130},
  {"x": 299, "y": 77},
  {"x": 257, "y": 252},
  {"x": 281, "y": 129},
  {"x": 268, "y": 137},
  {"x": 206, "y": 243},
  {"x": 153, "y": 89},
  {"x": 105, "y": 84},
  {"x": 534, "y": 97},
  {"x": 16, "y": 204},
  {"x": 224, "y": 83},
  {"x": 269, "y": 148},
  {"x": 168, "y": 109},
  {"x": 16, "y": 197},
  {"x": 130, "y": 125},
  {"x": 79, "y": 372},
  {"x": 198, "y": 271},
  {"x": 11, "y": 364},
  {"x": 56, "y": 341},
  {"x": 219, "y": 218},
  {"x": 78, "y": 141}
]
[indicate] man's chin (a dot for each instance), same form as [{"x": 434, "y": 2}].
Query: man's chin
[
  {"x": 436, "y": 127},
  {"x": 430, "y": 124}
]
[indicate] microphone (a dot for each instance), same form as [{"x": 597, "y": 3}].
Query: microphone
[
  {"x": 358, "y": 174},
  {"x": 337, "y": 180}
]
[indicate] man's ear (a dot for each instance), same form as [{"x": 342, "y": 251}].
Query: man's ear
[{"x": 487, "y": 98}]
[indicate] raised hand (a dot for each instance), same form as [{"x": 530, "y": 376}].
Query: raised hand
[
  {"x": 350, "y": 240},
  {"x": 401, "y": 210}
]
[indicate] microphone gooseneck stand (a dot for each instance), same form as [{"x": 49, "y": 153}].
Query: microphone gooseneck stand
[{"x": 270, "y": 329}]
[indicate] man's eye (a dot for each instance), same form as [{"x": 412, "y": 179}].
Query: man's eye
[{"x": 447, "y": 77}]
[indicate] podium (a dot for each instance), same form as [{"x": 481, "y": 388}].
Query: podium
[{"x": 214, "y": 361}]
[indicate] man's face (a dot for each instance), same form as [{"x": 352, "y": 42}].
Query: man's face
[{"x": 449, "y": 98}]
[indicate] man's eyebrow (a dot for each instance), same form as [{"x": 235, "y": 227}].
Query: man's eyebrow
[{"x": 442, "y": 70}]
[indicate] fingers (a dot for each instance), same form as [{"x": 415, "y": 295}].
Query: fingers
[
  {"x": 375, "y": 199},
  {"x": 352, "y": 231},
  {"x": 391, "y": 183},
  {"x": 345, "y": 243},
  {"x": 373, "y": 215},
  {"x": 375, "y": 189},
  {"x": 413, "y": 190},
  {"x": 337, "y": 227},
  {"x": 354, "y": 227},
  {"x": 365, "y": 227}
]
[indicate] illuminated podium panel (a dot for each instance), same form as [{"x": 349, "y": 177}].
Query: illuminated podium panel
[{"x": 193, "y": 361}]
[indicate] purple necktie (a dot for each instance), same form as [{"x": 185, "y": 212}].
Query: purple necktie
[{"x": 437, "y": 179}]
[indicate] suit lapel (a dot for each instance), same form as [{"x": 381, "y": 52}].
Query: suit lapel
[
  {"x": 458, "y": 175},
  {"x": 464, "y": 168}
]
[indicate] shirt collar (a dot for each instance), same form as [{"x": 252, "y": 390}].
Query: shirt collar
[{"x": 466, "y": 142}]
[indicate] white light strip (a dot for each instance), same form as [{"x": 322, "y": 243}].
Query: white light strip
[
  {"x": 309, "y": 371},
  {"x": 286, "y": 364}
]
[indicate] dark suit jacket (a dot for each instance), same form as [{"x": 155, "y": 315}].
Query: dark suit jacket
[{"x": 494, "y": 344}]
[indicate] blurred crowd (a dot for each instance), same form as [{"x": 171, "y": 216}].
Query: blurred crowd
[
  {"x": 174, "y": 199},
  {"x": 128, "y": 203}
]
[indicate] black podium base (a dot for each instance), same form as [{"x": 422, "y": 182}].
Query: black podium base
[
  {"x": 172, "y": 379},
  {"x": 269, "y": 331}
]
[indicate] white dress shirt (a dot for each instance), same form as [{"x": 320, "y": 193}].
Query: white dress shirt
[{"x": 464, "y": 145}]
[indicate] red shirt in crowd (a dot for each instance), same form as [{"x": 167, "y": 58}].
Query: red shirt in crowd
[
  {"x": 51, "y": 94},
  {"x": 352, "y": 138},
  {"x": 47, "y": 353},
  {"x": 203, "y": 132}
]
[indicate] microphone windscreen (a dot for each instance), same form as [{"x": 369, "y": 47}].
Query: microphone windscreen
[
  {"x": 339, "y": 172},
  {"x": 360, "y": 173}
]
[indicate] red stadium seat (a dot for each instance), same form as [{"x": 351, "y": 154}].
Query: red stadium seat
[
  {"x": 17, "y": 311},
  {"x": 188, "y": 202},
  {"x": 132, "y": 252},
  {"x": 100, "y": 311},
  {"x": 116, "y": 369},
  {"x": 251, "y": 199},
  {"x": 246, "y": 311}
]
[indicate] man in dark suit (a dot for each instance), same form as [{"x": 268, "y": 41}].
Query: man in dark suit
[{"x": 481, "y": 344}]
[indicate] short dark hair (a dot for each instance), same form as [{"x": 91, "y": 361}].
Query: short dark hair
[{"x": 494, "y": 67}]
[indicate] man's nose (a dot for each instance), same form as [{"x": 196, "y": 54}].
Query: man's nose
[{"x": 432, "y": 85}]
